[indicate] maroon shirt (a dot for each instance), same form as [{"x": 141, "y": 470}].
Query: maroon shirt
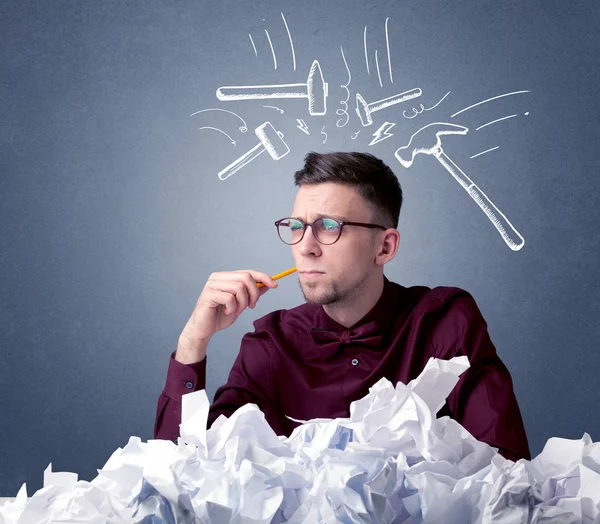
[{"x": 303, "y": 364}]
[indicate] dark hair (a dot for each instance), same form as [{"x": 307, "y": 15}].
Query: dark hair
[{"x": 369, "y": 175}]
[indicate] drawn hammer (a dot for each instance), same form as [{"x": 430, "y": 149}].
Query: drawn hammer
[
  {"x": 270, "y": 140},
  {"x": 315, "y": 89},
  {"x": 427, "y": 140}
]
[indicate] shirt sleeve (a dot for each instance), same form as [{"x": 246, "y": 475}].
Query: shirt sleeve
[
  {"x": 250, "y": 381},
  {"x": 483, "y": 401},
  {"x": 181, "y": 379}
]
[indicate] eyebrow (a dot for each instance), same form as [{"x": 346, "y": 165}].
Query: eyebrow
[{"x": 328, "y": 215}]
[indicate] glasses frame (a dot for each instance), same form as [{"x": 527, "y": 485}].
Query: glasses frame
[{"x": 342, "y": 223}]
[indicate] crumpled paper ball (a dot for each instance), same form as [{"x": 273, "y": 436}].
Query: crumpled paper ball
[{"x": 391, "y": 461}]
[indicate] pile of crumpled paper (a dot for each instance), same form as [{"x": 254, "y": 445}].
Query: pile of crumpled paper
[{"x": 391, "y": 461}]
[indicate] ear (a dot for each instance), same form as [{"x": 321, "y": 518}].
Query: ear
[{"x": 387, "y": 246}]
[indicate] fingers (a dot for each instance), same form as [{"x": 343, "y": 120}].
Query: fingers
[
  {"x": 241, "y": 288},
  {"x": 258, "y": 276}
]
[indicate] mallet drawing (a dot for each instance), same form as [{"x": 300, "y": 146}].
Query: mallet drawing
[
  {"x": 427, "y": 140},
  {"x": 270, "y": 141},
  {"x": 315, "y": 89}
]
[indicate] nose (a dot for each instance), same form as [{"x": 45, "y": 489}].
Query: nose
[{"x": 308, "y": 245}]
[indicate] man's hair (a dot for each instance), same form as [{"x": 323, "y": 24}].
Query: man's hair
[{"x": 369, "y": 175}]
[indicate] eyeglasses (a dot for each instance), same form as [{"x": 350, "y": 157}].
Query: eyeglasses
[{"x": 326, "y": 230}]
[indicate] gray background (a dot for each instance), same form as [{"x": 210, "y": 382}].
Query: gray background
[{"x": 112, "y": 216}]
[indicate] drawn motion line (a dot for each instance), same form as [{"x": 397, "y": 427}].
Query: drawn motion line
[
  {"x": 220, "y": 131},
  {"x": 484, "y": 152},
  {"x": 366, "y": 54},
  {"x": 387, "y": 43},
  {"x": 291, "y": 43},
  {"x": 243, "y": 128},
  {"x": 488, "y": 100},
  {"x": 344, "y": 111},
  {"x": 423, "y": 108},
  {"x": 494, "y": 121},
  {"x": 252, "y": 42},
  {"x": 378, "y": 72},
  {"x": 272, "y": 50},
  {"x": 276, "y": 108},
  {"x": 324, "y": 133}
]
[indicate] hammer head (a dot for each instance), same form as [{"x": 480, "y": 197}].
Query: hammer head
[
  {"x": 316, "y": 90},
  {"x": 362, "y": 110},
  {"x": 427, "y": 140},
  {"x": 272, "y": 140}
]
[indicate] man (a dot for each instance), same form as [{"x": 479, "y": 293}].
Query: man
[{"x": 355, "y": 327}]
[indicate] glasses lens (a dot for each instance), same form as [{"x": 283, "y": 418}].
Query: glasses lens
[
  {"x": 327, "y": 230},
  {"x": 290, "y": 230}
]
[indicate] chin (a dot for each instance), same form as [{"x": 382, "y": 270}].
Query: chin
[{"x": 318, "y": 297}]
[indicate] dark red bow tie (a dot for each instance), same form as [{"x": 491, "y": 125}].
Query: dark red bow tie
[{"x": 329, "y": 341}]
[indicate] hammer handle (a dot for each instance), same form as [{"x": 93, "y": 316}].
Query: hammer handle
[
  {"x": 260, "y": 92},
  {"x": 511, "y": 236},
  {"x": 242, "y": 161}
]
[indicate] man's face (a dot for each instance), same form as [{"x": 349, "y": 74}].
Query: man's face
[{"x": 330, "y": 274}]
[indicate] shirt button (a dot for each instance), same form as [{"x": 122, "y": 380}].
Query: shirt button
[
  {"x": 189, "y": 385},
  {"x": 355, "y": 362}
]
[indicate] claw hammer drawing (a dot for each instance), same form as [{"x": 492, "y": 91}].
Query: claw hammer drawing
[{"x": 427, "y": 140}]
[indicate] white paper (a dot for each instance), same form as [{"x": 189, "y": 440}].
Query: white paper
[{"x": 390, "y": 461}]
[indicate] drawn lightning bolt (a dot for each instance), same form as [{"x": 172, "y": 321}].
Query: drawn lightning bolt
[
  {"x": 302, "y": 126},
  {"x": 382, "y": 133}
]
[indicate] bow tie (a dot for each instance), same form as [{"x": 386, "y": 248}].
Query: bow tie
[{"x": 329, "y": 342}]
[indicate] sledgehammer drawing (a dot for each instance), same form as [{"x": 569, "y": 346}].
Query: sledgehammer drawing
[
  {"x": 427, "y": 140},
  {"x": 315, "y": 89},
  {"x": 270, "y": 140}
]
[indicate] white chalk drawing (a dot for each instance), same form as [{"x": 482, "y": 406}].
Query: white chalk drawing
[
  {"x": 276, "y": 108},
  {"x": 272, "y": 50},
  {"x": 366, "y": 53},
  {"x": 387, "y": 44},
  {"x": 243, "y": 128},
  {"x": 488, "y": 100},
  {"x": 270, "y": 140},
  {"x": 302, "y": 126},
  {"x": 378, "y": 72},
  {"x": 484, "y": 152},
  {"x": 324, "y": 133},
  {"x": 382, "y": 133},
  {"x": 252, "y": 42},
  {"x": 423, "y": 108},
  {"x": 344, "y": 112},
  {"x": 427, "y": 140},
  {"x": 498, "y": 120},
  {"x": 315, "y": 89},
  {"x": 220, "y": 131},
  {"x": 364, "y": 110},
  {"x": 291, "y": 43},
  {"x": 355, "y": 135}
]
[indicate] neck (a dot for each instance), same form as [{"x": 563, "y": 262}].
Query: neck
[{"x": 360, "y": 302}]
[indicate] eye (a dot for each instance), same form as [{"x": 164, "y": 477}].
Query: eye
[
  {"x": 294, "y": 225},
  {"x": 330, "y": 225}
]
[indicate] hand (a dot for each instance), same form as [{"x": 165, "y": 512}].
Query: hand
[{"x": 224, "y": 297}]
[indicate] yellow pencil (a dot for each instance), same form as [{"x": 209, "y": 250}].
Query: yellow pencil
[{"x": 278, "y": 276}]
